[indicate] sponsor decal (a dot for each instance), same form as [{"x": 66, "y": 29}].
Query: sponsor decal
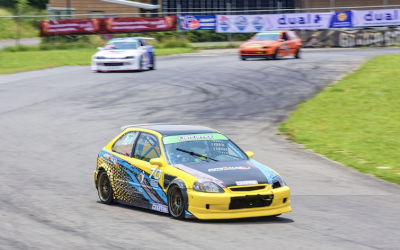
[
  {"x": 341, "y": 19},
  {"x": 197, "y": 22},
  {"x": 223, "y": 23},
  {"x": 129, "y": 139},
  {"x": 258, "y": 22},
  {"x": 376, "y": 17},
  {"x": 243, "y": 183},
  {"x": 159, "y": 207},
  {"x": 241, "y": 22},
  {"x": 200, "y": 175},
  {"x": 194, "y": 137},
  {"x": 153, "y": 183},
  {"x": 229, "y": 168}
]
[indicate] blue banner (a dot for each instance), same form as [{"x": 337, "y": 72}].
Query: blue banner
[
  {"x": 197, "y": 22},
  {"x": 342, "y": 19}
]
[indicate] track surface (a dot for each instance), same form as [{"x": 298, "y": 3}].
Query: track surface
[{"x": 54, "y": 122}]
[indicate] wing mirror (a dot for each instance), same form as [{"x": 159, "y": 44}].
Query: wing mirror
[
  {"x": 249, "y": 154},
  {"x": 157, "y": 162},
  {"x": 100, "y": 48}
]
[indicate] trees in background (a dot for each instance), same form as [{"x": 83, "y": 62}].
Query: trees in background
[{"x": 40, "y": 4}]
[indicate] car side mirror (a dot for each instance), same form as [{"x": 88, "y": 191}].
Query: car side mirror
[
  {"x": 100, "y": 48},
  {"x": 249, "y": 154},
  {"x": 157, "y": 162}
]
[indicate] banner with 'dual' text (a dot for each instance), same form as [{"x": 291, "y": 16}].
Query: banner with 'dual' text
[{"x": 365, "y": 18}]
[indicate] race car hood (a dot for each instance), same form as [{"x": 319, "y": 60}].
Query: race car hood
[
  {"x": 117, "y": 54},
  {"x": 230, "y": 173},
  {"x": 259, "y": 44}
]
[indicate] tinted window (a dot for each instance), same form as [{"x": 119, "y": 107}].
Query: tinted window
[
  {"x": 121, "y": 45},
  {"x": 214, "y": 148},
  {"x": 265, "y": 37},
  {"x": 147, "y": 147},
  {"x": 284, "y": 37},
  {"x": 125, "y": 143}
]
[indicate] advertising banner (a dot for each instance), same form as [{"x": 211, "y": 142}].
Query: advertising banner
[
  {"x": 342, "y": 19},
  {"x": 197, "y": 22},
  {"x": 107, "y": 25},
  {"x": 299, "y": 21},
  {"x": 362, "y": 18},
  {"x": 258, "y": 23},
  {"x": 240, "y": 23}
]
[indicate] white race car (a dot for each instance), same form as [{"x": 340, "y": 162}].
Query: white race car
[{"x": 121, "y": 54}]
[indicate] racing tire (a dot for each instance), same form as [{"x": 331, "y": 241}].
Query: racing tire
[
  {"x": 104, "y": 188},
  {"x": 276, "y": 55},
  {"x": 141, "y": 64},
  {"x": 176, "y": 203},
  {"x": 298, "y": 54},
  {"x": 242, "y": 58},
  {"x": 153, "y": 67}
]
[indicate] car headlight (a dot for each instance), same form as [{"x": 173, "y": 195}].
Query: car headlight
[
  {"x": 100, "y": 57},
  {"x": 278, "y": 182},
  {"x": 129, "y": 57},
  {"x": 207, "y": 187}
]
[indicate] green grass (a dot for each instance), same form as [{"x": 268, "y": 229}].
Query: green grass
[
  {"x": 355, "y": 121},
  {"x": 8, "y": 26},
  {"x": 12, "y": 62}
]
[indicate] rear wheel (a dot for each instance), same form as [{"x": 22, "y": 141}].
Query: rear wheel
[
  {"x": 141, "y": 64},
  {"x": 104, "y": 188},
  {"x": 298, "y": 54},
  {"x": 176, "y": 203}
]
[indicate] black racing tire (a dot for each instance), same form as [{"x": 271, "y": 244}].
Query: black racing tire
[
  {"x": 242, "y": 58},
  {"x": 104, "y": 188},
  {"x": 176, "y": 203},
  {"x": 298, "y": 54},
  {"x": 276, "y": 55},
  {"x": 141, "y": 64},
  {"x": 153, "y": 67}
]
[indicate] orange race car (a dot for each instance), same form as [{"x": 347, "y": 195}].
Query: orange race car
[{"x": 271, "y": 44}]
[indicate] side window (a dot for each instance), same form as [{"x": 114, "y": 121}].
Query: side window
[
  {"x": 142, "y": 43},
  {"x": 284, "y": 37},
  {"x": 147, "y": 147},
  {"x": 124, "y": 144}
]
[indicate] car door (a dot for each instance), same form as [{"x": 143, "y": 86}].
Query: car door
[
  {"x": 285, "y": 45},
  {"x": 147, "y": 147}
]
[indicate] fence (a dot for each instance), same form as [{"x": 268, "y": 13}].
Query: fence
[{"x": 21, "y": 19}]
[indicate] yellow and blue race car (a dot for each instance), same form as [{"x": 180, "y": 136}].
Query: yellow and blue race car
[{"x": 187, "y": 171}]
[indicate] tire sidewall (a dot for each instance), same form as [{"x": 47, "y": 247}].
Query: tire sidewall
[
  {"x": 181, "y": 216},
  {"x": 110, "y": 199}
]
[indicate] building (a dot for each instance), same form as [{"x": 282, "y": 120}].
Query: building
[{"x": 102, "y": 8}]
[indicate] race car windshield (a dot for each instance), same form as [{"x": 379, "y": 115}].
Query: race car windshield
[
  {"x": 201, "y": 148},
  {"x": 265, "y": 37},
  {"x": 121, "y": 45}
]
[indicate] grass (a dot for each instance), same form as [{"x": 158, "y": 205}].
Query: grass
[
  {"x": 12, "y": 62},
  {"x": 355, "y": 121},
  {"x": 9, "y": 27}
]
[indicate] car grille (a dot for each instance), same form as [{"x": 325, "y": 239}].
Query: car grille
[
  {"x": 113, "y": 64},
  {"x": 251, "y": 201},
  {"x": 241, "y": 189}
]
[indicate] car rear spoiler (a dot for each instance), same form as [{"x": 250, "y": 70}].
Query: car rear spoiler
[{"x": 141, "y": 125}]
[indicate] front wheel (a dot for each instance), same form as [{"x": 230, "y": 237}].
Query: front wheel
[
  {"x": 242, "y": 58},
  {"x": 104, "y": 188},
  {"x": 176, "y": 203},
  {"x": 276, "y": 55}
]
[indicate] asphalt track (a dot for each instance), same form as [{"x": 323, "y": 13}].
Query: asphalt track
[{"x": 54, "y": 122}]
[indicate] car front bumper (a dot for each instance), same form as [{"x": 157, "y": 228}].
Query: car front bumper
[
  {"x": 115, "y": 65},
  {"x": 217, "y": 205}
]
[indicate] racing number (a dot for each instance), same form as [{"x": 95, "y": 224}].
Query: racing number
[{"x": 156, "y": 173}]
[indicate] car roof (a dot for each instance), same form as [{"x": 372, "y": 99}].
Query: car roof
[
  {"x": 271, "y": 32},
  {"x": 171, "y": 129}
]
